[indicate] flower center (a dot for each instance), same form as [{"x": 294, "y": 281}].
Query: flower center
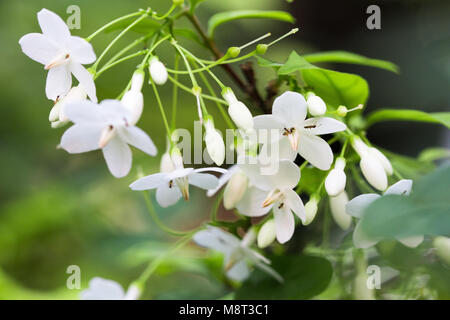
[
  {"x": 274, "y": 196},
  {"x": 107, "y": 134},
  {"x": 59, "y": 60}
]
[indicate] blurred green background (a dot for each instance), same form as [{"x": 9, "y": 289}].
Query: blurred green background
[{"x": 58, "y": 209}]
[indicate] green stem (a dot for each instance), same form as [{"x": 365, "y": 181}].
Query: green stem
[
  {"x": 127, "y": 48},
  {"x": 188, "y": 67},
  {"x": 112, "y": 23},
  {"x": 175, "y": 97},
  {"x": 163, "y": 114},
  {"x": 131, "y": 56},
  {"x": 187, "y": 89},
  {"x": 215, "y": 207},
  {"x": 173, "y": 7}
]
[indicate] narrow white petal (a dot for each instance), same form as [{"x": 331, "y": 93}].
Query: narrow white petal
[
  {"x": 251, "y": 203},
  {"x": 166, "y": 195},
  {"x": 316, "y": 151},
  {"x": 295, "y": 203},
  {"x": 287, "y": 176},
  {"x": 318, "y": 126},
  {"x": 360, "y": 240},
  {"x": 85, "y": 78},
  {"x": 80, "y": 50},
  {"x": 138, "y": 139},
  {"x": 267, "y": 121},
  {"x": 216, "y": 239},
  {"x": 150, "y": 182},
  {"x": 223, "y": 179},
  {"x": 38, "y": 47},
  {"x": 411, "y": 242},
  {"x": 84, "y": 112},
  {"x": 291, "y": 107},
  {"x": 204, "y": 181},
  {"x": 284, "y": 224},
  {"x": 276, "y": 151},
  {"x": 118, "y": 157},
  {"x": 359, "y": 204},
  {"x": 239, "y": 271},
  {"x": 403, "y": 187},
  {"x": 59, "y": 81},
  {"x": 81, "y": 138},
  {"x": 53, "y": 26}
]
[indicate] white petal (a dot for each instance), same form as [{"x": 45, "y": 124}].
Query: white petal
[
  {"x": 203, "y": 180},
  {"x": 383, "y": 160},
  {"x": 150, "y": 182},
  {"x": 287, "y": 176},
  {"x": 284, "y": 223},
  {"x": 403, "y": 187},
  {"x": 59, "y": 81},
  {"x": 81, "y": 138},
  {"x": 251, "y": 203},
  {"x": 267, "y": 121},
  {"x": 411, "y": 242},
  {"x": 253, "y": 172},
  {"x": 167, "y": 196},
  {"x": 239, "y": 271},
  {"x": 316, "y": 151},
  {"x": 291, "y": 107},
  {"x": 53, "y": 26},
  {"x": 216, "y": 239},
  {"x": 38, "y": 47},
  {"x": 318, "y": 126},
  {"x": 138, "y": 139},
  {"x": 276, "y": 151},
  {"x": 359, "y": 204},
  {"x": 84, "y": 112},
  {"x": 81, "y": 51},
  {"x": 223, "y": 179},
  {"x": 360, "y": 240},
  {"x": 85, "y": 78},
  {"x": 118, "y": 157},
  {"x": 295, "y": 203},
  {"x": 102, "y": 289}
]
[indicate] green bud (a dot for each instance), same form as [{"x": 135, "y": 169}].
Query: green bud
[
  {"x": 178, "y": 2},
  {"x": 261, "y": 49},
  {"x": 342, "y": 111},
  {"x": 233, "y": 52}
]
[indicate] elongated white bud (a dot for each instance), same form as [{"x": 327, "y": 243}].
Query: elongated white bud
[
  {"x": 311, "y": 210},
  {"x": 158, "y": 71},
  {"x": 137, "y": 81},
  {"x": 383, "y": 160},
  {"x": 238, "y": 111},
  {"x": 336, "y": 179},
  {"x": 234, "y": 190},
  {"x": 316, "y": 106},
  {"x": 267, "y": 234},
  {"x": 133, "y": 293},
  {"x": 214, "y": 143},
  {"x": 442, "y": 246},
  {"x": 337, "y": 206},
  {"x": 133, "y": 100}
]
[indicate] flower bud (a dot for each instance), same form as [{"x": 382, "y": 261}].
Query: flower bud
[
  {"x": 177, "y": 158},
  {"x": 238, "y": 112},
  {"x": 214, "y": 143},
  {"x": 310, "y": 210},
  {"x": 166, "y": 164},
  {"x": 360, "y": 289},
  {"x": 316, "y": 106},
  {"x": 261, "y": 49},
  {"x": 336, "y": 179},
  {"x": 133, "y": 101},
  {"x": 134, "y": 292},
  {"x": 342, "y": 111},
  {"x": 158, "y": 71},
  {"x": 442, "y": 246},
  {"x": 383, "y": 160},
  {"x": 233, "y": 52},
  {"x": 235, "y": 190},
  {"x": 337, "y": 206},
  {"x": 267, "y": 234}
]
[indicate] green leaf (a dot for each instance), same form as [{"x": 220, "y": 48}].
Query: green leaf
[
  {"x": 433, "y": 154},
  {"x": 223, "y": 17},
  {"x": 263, "y": 62},
  {"x": 408, "y": 115},
  {"x": 425, "y": 212},
  {"x": 304, "y": 278},
  {"x": 336, "y": 88},
  {"x": 194, "y": 4},
  {"x": 349, "y": 57}
]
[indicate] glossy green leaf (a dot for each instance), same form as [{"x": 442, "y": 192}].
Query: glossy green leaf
[
  {"x": 425, "y": 212},
  {"x": 223, "y": 17},
  {"x": 336, "y": 88},
  {"x": 408, "y": 115},
  {"x": 349, "y": 57},
  {"x": 433, "y": 154},
  {"x": 304, "y": 278}
]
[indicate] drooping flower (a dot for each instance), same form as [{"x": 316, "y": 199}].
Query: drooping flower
[
  {"x": 267, "y": 234},
  {"x": 288, "y": 118},
  {"x": 316, "y": 106},
  {"x": 57, "y": 116},
  {"x": 337, "y": 207},
  {"x": 238, "y": 112},
  {"x": 158, "y": 71},
  {"x": 336, "y": 178},
  {"x": 133, "y": 99},
  {"x": 62, "y": 55},
  {"x": 238, "y": 256},
  {"x": 214, "y": 143},
  {"x": 172, "y": 185},
  {"x": 103, "y": 289},
  {"x": 358, "y": 205},
  {"x": 105, "y": 126},
  {"x": 274, "y": 191}
]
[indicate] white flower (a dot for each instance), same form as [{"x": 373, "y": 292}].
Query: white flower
[
  {"x": 158, "y": 71},
  {"x": 267, "y": 234},
  {"x": 238, "y": 112},
  {"x": 105, "y": 126},
  {"x": 289, "y": 119},
  {"x": 171, "y": 186},
  {"x": 358, "y": 205},
  {"x": 337, "y": 206},
  {"x": 62, "y": 54},
  {"x": 374, "y": 165},
  {"x": 274, "y": 192},
  {"x": 133, "y": 99},
  {"x": 214, "y": 143},
  {"x": 316, "y": 106},
  {"x": 336, "y": 179},
  {"x": 102, "y": 289},
  {"x": 237, "y": 254},
  {"x": 311, "y": 210},
  {"x": 57, "y": 116}
]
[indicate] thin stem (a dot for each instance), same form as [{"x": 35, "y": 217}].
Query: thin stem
[
  {"x": 114, "y": 22},
  {"x": 127, "y": 48},
  {"x": 131, "y": 56},
  {"x": 344, "y": 148},
  {"x": 215, "y": 207},
  {"x": 163, "y": 114},
  {"x": 153, "y": 48},
  {"x": 186, "y": 62},
  {"x": 173, "y": 7},
  {"x": 187, "y": 89},
  {"x": 175, "y": 96},
  {"x": 255, "y": 41}
]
